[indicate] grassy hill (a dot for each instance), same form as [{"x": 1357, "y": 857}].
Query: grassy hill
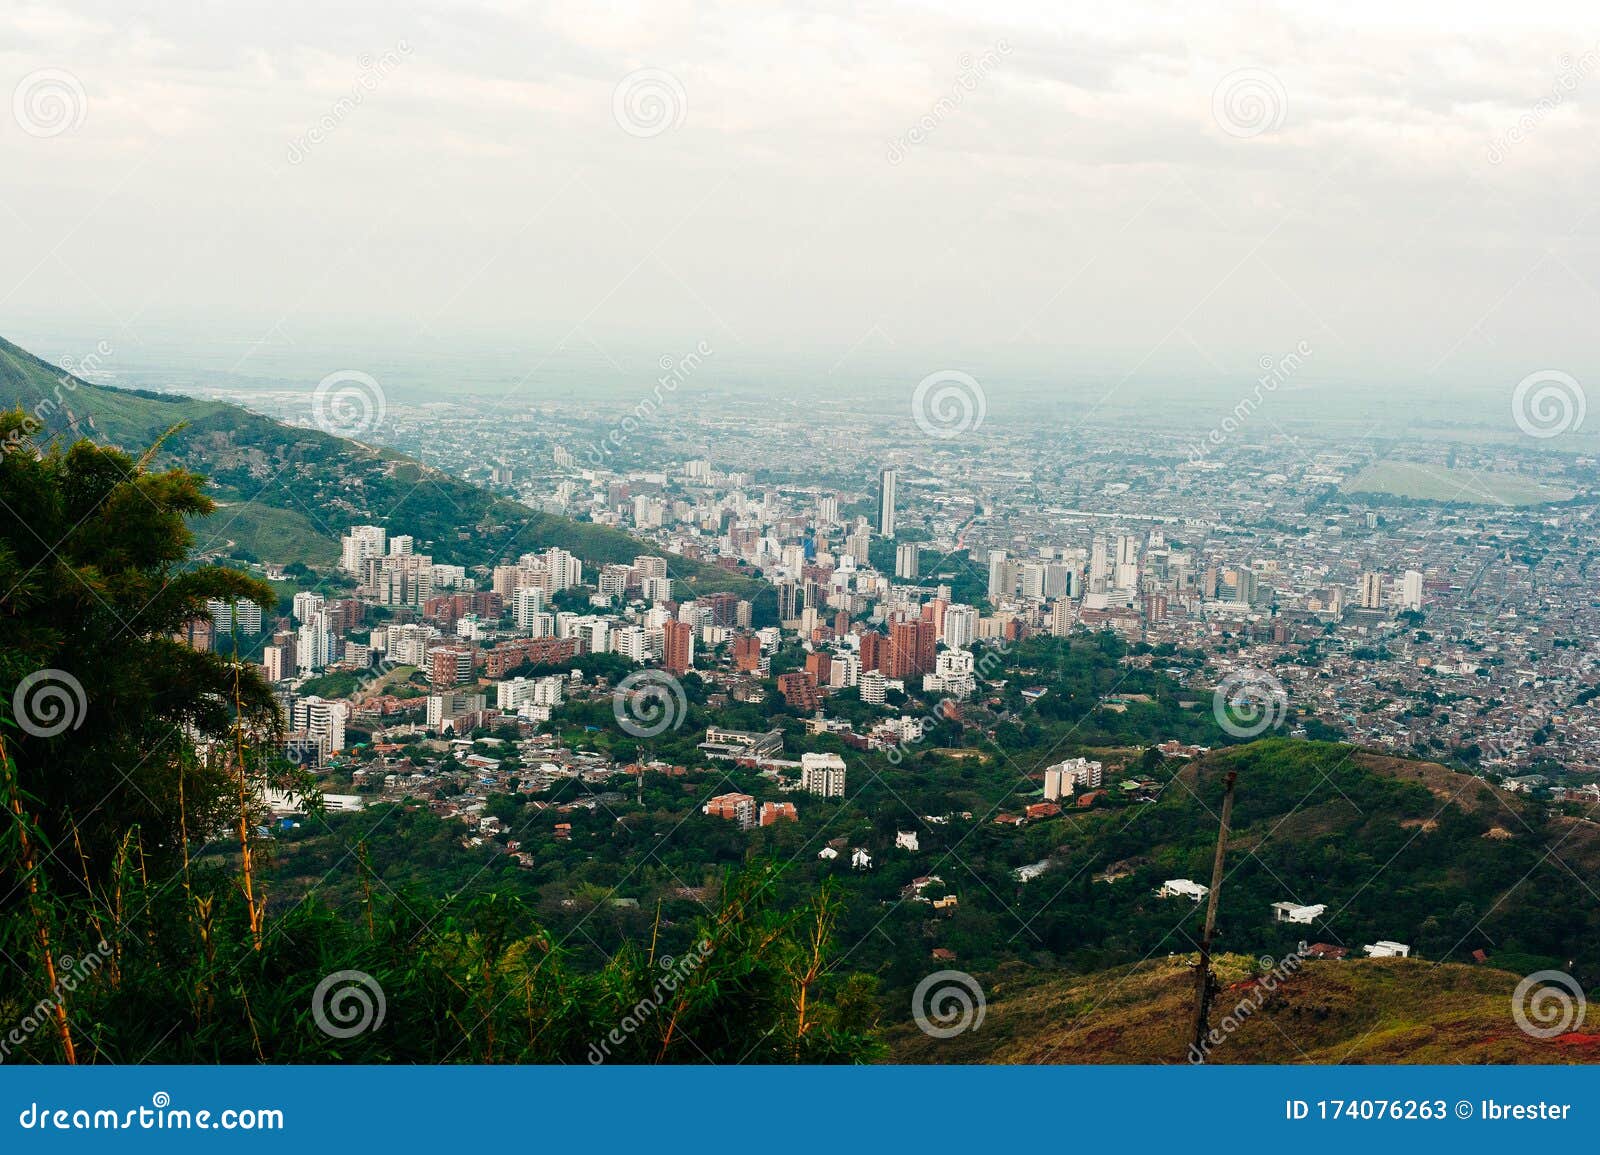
[
  {"x": 286, "y": 494},
  {"x": 1366, "y": 1011}
]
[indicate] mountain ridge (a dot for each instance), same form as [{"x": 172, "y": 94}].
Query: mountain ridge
[{"x": 286, "y": 493}]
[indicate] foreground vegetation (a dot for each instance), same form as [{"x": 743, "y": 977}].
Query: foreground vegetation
[{"x": 127, "y": 947}]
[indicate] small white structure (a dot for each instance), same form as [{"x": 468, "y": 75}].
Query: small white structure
[
  {"x": 1183, "y": 888},
  {"x": 1383, "y": 948},
  {"x": 1294, "y": 912},
  {"x": 828, "y": 852},
  {"x": 1031, "y": 871},
  {"x": 906, "y": 840},
  {"x": 860, "y": 859}
]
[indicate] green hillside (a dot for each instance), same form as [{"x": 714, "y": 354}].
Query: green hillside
[{"x": 286, "y": 494}]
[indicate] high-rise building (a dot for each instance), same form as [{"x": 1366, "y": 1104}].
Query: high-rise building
[
  {"x": 960, "y": 626},
  {"x": 1371, "y": 591},
  {"x": 1099, "y": 565},
  {"x": 527, "y": 604},
  {"x": 827, "y": 509},
  {"x": 822, "y": 774},
  {"x": 678, "y": 646},
  {"x": 362, "y": 542},
  {"x": 321, "y": 720},
  {"x": 243, "y": 616},
  {"x": 1411, "y": 590},
  {"x": 912, "y": 647},
  {"x": 1000, "y": 584},
  {"x": 886, "y": 482},
  {"x": 874, "y": 650},
  {"x": 905, "y": 561}
]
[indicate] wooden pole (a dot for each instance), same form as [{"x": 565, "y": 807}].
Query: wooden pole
[{"x": 1204, "y": 984}]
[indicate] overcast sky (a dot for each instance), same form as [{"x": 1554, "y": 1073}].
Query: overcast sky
[{"x": 1145, "y": 190}]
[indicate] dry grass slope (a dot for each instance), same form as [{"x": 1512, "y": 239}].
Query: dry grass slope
[{"x": 1366, "y": 1011}]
